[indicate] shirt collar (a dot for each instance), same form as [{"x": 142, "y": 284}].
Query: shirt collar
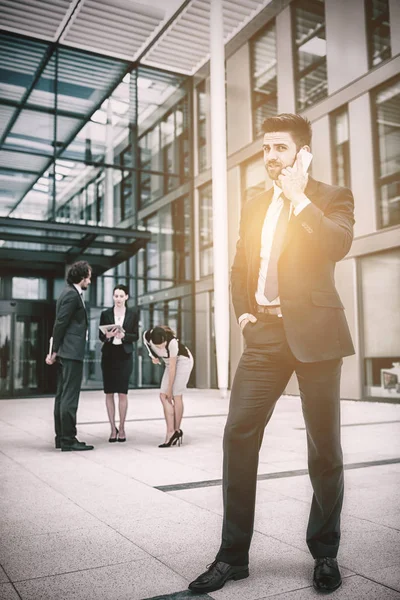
[
  {"x": 277, "y": 191},
  {"x": 78, "y": 288}
]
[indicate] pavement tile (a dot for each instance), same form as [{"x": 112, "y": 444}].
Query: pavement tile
[
  {"x": 129, "y": 581},
  {"x": 50, "y": 554},
  {"x": 3, "y": 576},
  {"x": 389, "y": 576},
  {"x": 353, "y": 588},
  {"x": 7, "y": 592}
]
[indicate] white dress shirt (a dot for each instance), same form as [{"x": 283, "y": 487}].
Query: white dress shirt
[{"x": 267, "y": 236}]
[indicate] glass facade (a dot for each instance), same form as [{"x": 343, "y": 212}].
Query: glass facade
[
  {"x": 380, "y": 273},
  {"x": 387, "y": 112},
  {"x": 341, "y": 147},
  {"x": 310, "y": 52},
  {"x": 206, "y": 231},
  {"x": 378, "y": 27},
  {"x": 201, "y": 126},
  {"x": 264, "y": 77}
]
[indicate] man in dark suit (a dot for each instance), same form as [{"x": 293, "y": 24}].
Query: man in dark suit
[
  {"x": 69, "y": 340},
  {"x": 292, "y": 319}
]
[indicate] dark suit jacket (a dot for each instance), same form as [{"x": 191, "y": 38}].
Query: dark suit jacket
[
  {"x": 313, "y": 315},
  {"x": 130, "y": 324},
  {"x": 69, "y": 332}
]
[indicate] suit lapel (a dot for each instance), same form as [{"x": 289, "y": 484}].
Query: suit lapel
[{"x": 126, "y": 318}]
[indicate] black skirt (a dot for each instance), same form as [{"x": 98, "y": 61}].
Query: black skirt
[{"x": 117, "y": 366}]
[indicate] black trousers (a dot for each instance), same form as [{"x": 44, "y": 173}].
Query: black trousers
[
  {"x": 69, "y": 379},
  {"x": 261, "y": 377}
]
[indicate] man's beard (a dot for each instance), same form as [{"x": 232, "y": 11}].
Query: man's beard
[{"x": 274, "y": 176}]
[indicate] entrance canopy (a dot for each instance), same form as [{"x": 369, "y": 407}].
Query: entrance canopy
[{"x": 46, "y": 248}]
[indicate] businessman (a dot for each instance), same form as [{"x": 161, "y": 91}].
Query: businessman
[
  {"x": 292, "y": 319},
  {"x": 69, "y": 340}
]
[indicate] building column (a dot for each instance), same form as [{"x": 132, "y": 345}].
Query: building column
[
  {"x": 219, "y": 192},
  {"x": 108, "y": 208}
]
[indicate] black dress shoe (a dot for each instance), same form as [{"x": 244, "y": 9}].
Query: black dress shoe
[
  {"x": 326, "y": 574},
  {"x": 217, "y": 574},
  {"x": 58, "y": 442},
  {"x": 76, "y": 447}
]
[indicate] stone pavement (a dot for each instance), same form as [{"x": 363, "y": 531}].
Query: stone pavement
[{"x": 132, "y": 521}]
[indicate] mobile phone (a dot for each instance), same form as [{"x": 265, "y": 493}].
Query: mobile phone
[{"x": 306, "y": 159}]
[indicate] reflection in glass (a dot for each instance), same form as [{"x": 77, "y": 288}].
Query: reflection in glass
[
  {"x": 206, "y": 231},
  {"x": 387, "y": 106},
  {"x": 377, "y": 15},
  {"x": 26, "y": 356},
  {"x": 202, "y": 126},
  {"x": 263, "y": 69},
  {"x": 341, "y": 148},
  {"x": 380, "y": 272},
  {"x": 29, "y": 288},
  {"x": 5, "y": 367},
  {"x": 311, "y": 73}
]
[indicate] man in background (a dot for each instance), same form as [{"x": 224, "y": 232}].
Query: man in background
[{"x": 69, "y": 340}]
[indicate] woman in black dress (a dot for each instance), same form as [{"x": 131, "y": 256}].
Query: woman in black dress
[{"x": 116, "y": 361}]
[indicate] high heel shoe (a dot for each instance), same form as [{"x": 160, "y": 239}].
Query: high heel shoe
[
  {"x": 181, "y": 436},
  {"x": 111, "y": 439},
  {"x": 173, "y": 440}
]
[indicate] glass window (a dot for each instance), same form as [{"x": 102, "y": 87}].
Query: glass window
[
  {"x": 166, "y": 260},
  {"x": 378, "y": 27},
  {"x": 206, "y": 230},
  {"x": 387, "y": 118},
  {"x": 310, "y": 52},
  {"x": 202, "y": 126},
  {"x": 264, "y": 80},
  {"x": 341, "y": 147},
  {"x": 29, "y": 288},
  {"x": 380, "y": 286}
]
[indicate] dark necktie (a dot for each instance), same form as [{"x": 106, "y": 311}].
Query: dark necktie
[{"x": 271, "y": 281}]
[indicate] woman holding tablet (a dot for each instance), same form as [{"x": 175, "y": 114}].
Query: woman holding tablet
[{"x": 116, "y": 361}]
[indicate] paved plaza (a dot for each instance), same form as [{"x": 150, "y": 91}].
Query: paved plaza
[{"x": 132, "y": 521}]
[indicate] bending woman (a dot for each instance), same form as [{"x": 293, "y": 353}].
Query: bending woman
[{"x": 161, "y": 343}]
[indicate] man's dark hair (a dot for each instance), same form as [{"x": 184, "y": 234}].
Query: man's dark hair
[
  {"x": 124, "y": 288},
  {"x": 299, "y": 127},
  {"x": 78, "y": 271}
]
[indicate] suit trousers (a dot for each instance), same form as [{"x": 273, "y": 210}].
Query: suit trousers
[
  {"x": 67, "y": 397},
  {"x": 263, "y": 372}
]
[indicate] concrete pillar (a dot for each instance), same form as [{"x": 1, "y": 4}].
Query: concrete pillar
[
  {"x": 238, "y": 83},
  {"x": 362, "y": 165},
  {"x": 285, "y": 64},
  {"x": 219, "y": 192}
]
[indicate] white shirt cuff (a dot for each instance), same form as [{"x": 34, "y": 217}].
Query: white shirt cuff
[
  {"x": 243, "y": 317},
  {"x": 297, "y": 209}
]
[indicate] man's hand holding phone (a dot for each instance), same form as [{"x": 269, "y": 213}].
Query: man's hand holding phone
[{"x": 294, "y": 179}]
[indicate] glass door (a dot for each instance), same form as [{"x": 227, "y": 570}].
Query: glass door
[
  {"x": 5, "y": 355},
  {"x": 28, "y": 359}
]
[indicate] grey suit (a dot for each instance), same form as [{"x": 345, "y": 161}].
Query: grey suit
[{"x": 69, "y": 340}]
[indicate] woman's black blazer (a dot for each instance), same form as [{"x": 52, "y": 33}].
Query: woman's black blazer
[{"x": 130, "y": 324}]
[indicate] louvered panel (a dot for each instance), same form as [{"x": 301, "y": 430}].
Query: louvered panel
[
  {"x": 112, "y": 28},
  {"x": 22, "y": 162},
  {"x": 189, "y": 34},
  {"x": 36, "y": 17},
  {"x": 6, "y": 112}
]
